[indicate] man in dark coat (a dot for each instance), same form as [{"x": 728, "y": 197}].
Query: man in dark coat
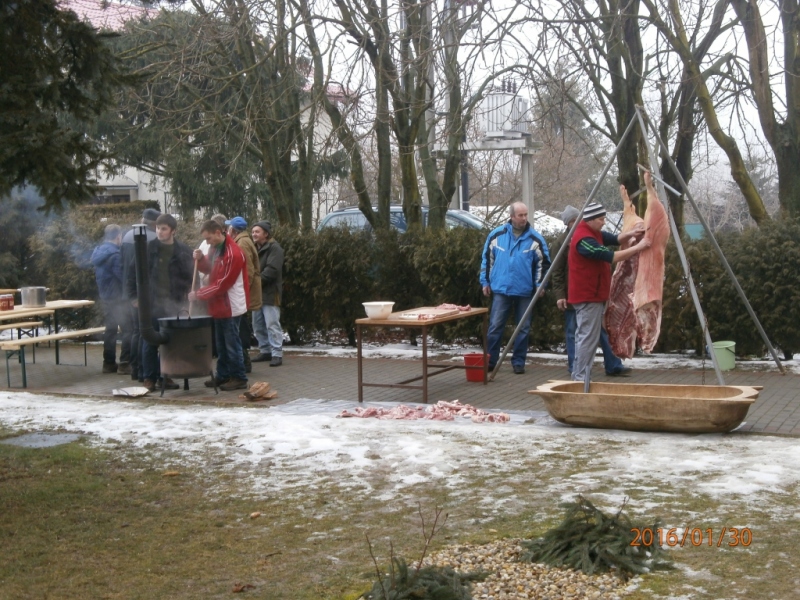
[
  {"x": 267, "y": 321},
  {"x": 133, "y": 340},
  {"x": 169, "y": 269},
  {"x": 107, "y": 263}
]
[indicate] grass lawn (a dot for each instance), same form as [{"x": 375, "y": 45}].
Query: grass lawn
[{"x": 83, "y": 520}]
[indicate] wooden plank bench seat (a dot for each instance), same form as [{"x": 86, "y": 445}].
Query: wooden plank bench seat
[
  {"x": 21, "y": 325},
  {"x": 17, "y": 347},
  {"x": 8, "y": 316}
]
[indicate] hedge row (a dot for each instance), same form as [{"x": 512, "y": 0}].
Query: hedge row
[{"x": 328, "y": 275}]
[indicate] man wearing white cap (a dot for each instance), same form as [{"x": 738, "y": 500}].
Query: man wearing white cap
[
  {"x": 613, "y": 364},
  {"x": 589, "y": 265}
]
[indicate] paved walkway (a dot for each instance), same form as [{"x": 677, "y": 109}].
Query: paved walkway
[{"x": 323, "y": 377}]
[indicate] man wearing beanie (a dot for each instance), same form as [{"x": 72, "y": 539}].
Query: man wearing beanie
[
  {"x": 267, "y": 320},
  {"x": 589, "y": 267},
  {"x": 513, "y": 263},
  {"x": 613, "y": 365}
]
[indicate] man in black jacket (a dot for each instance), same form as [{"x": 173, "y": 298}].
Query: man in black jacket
[
  {"x": 130, "y": 330},
  {"x": 169, "y": 269},
  {"x": 267, "y": 321}
]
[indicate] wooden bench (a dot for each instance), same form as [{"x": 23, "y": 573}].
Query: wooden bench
[
  {"x": 21, "y": 325},
  {"x": 17, "y": 347}
]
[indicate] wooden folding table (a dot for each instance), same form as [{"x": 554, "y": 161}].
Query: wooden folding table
[{"x": 419, "y": 318}]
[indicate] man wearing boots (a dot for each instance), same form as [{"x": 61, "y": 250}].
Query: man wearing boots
[
  {"x": 267, "y": 321},
  {"x": 589, "y": 270},
  {"x": 169, "y": 269},
  {"x": 227, "y": 295}
]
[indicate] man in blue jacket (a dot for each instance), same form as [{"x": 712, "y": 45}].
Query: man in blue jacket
[
  {"x": 107, "y": 263},
  {"x": 514, "y": 261}
]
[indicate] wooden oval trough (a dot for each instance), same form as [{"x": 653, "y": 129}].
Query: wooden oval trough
[{"x": 640, "y": 407}]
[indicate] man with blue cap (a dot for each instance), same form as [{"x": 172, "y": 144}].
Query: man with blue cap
[{"x": 237, "y": 229}]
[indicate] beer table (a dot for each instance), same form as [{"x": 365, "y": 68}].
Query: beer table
[
  {"x": 50, "y": 307},
  {"x": 397, "y": 319}
]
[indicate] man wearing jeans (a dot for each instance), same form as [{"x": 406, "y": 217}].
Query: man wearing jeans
[
  {"x": 267, "y": 320},
  {"x": 514, "y": 261},
  {"x": 108, "y": 273},
  {"x": 227, "y": 295},
  {"x": 613, "y": 364},
  {"x": 169, "y": 271}
]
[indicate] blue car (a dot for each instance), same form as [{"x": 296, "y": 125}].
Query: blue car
[{"x": 353, "y": 219}]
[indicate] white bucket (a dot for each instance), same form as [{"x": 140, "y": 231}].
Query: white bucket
[{"x": 726, "y": 355}]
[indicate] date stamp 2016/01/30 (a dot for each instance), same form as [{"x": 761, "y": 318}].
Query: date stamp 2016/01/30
[{"x": 695, "y": 536}]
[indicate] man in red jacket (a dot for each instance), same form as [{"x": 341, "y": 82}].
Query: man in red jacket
[
  {"x": 590, "y": 280},
  {"x": 227, "y": 295}
]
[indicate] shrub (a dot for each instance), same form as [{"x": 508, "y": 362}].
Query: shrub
[
  {"x": 63, "y": 249},
  {"x": 328, "y": 275},
  {"x": 766, "y": 262}
]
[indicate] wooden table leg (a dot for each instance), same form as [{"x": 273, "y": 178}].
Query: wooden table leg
[
  {"x": 360, "y": 373},
  {"x": 425, "y": 364}
]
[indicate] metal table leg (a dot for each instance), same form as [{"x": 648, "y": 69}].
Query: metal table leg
[{"x": 55, "y": 327}]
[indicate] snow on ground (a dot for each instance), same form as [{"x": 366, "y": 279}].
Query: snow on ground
[
  {"x": 302, "y": 445},
  {"x": 405, "y": 350}
]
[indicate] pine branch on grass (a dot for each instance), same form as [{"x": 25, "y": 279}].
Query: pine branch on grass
[
  {"x": 591, "y": 541},
  {"x": 421, "y": 583}
]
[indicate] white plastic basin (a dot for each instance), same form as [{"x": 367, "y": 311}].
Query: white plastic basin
[{"x": 378, "y": 310}]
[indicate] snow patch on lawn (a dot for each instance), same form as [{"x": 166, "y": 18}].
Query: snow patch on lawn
[{"x": 303, "y": 443}]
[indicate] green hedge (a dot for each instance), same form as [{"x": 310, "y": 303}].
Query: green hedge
[
  {"x": 766, "y": 262},
  {"x": 328, "y": 275}
]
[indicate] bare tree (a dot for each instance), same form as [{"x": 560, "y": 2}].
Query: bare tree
[
  {"x": 779, "y": 124},
  {"x": 668, "y": 17},
  {"x": 603, "y": 46}
]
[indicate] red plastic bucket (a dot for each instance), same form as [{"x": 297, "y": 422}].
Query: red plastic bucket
[{"x": 474, "y": 367}]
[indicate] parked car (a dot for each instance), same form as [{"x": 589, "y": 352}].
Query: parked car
[{"x": 352, "y": 218}]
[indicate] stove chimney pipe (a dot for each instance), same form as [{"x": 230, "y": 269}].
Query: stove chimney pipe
[{"x": 150, "y": 335}]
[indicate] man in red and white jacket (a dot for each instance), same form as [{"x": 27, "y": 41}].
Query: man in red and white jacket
[{"x": 227, "y": 295}]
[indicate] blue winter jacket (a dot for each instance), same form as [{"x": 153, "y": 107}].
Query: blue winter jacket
[
  {"x": 107, "y": 262},
  {"x": 514, "y": 267}
]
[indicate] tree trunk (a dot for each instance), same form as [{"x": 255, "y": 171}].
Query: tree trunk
[{"x": 783, "y": 138}]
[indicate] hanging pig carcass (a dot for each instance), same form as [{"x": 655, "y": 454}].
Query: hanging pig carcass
[
  {"x": 633, "y": 315},
  {"x": 620, "y": 319}
]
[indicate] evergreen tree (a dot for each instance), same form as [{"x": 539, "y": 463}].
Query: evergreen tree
[{"x": 56, "y": 76}]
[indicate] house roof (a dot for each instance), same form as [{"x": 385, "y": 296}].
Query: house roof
[
  {"x": 118, "y": 182},
  {"x": 103, "y": 14}
]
